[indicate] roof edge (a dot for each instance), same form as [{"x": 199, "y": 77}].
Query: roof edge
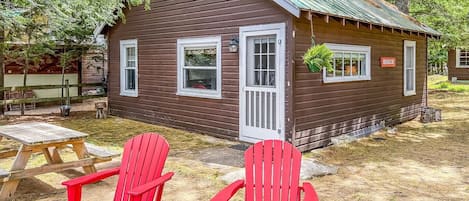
[
  {"x": 285, "y": 4},
  {"x": 98, "y": 30},
  {"x": 289, "y": 6},
  {"x": 437, "y": 35}
]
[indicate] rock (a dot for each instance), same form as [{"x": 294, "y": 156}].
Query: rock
[
  {"x": 391, "y": 130},
  {"x": 233, "y": 176},
  {"x": 355, "y": 135},
  {"x": 312, "y": 168},
  {"x": 309, "y": 169}
]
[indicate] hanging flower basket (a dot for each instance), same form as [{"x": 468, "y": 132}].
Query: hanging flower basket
[{"x": 317, "y": 58}]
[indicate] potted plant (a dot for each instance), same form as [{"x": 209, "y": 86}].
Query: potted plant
[{"x": 317, "y": 58}]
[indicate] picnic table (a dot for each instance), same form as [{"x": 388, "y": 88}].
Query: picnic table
[{"x": 37, "y": 137}]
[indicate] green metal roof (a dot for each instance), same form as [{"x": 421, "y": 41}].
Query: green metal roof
[{"x": 376, "y": 12}]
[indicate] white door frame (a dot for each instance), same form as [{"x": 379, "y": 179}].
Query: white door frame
[{"x": 259, "y": 30}]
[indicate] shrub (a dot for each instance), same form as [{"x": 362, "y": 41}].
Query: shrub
[{"x": 444, "y": 85}]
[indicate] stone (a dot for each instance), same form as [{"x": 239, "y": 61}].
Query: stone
[
  {"x": 309, "y": 168},
  {"x": 358, "y": 134},
  {"x": 391, "y": 130},
  {"x": 233, "y": 176}
]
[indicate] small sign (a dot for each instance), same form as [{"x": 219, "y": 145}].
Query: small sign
[{"x": 388, "y": 62}]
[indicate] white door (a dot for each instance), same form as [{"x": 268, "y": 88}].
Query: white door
[{"x": 262, "y": 78}]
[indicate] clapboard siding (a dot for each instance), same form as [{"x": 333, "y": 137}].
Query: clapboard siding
[
  {"x": 460, "y": 73},
  {"x": 93, "y": 71},
  {"x": 325, "y": 110},
  {"x": 157, "y": 31}
]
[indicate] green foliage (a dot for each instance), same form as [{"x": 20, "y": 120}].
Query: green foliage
[
  {"x": 438, "y": 82},
  {"x": 31, "y": 28},
  {"x": 444, "y": 85},
  {"x": 449, "y": 17},
  {"x": 27, "y": 35},
  {"x": 318, "y": 57}
]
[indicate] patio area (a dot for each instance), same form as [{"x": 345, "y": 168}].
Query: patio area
[{"x": 412, "y": 162}]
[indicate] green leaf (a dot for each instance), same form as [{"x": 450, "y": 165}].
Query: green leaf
[{"x": 317, "y": 58}]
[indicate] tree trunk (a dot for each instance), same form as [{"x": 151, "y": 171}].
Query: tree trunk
[
  {"x": 25, "y": 76},
  {"x": 25, "y": 72},
  {"x": 2, "y": 71},
  {"x": 63, "y": 75},
  {"x": 403, "y": 5},
  {"x": 442, "y": 67}
]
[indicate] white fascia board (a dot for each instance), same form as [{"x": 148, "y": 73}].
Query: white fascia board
[
  {"x": 98, "y": 30},
  {"x": 289, "y": 6}
]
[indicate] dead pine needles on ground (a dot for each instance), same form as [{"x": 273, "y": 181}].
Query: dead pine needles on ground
[{"x": 417, "y": 162}]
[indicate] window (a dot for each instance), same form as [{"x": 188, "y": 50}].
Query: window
[
  {"x": 409, "y": 68},
  {"x": 261, "y": 61},
  {"x": 462, "y": 58},
  {"x": 199, "y": 67},
  {"x": 350, "y": 63},
  {"x": 129, "y": 68}
]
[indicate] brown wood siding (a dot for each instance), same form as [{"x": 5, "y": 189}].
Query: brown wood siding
[
  {"x": 460, "y": 73},
  {"x": 157, "y": 31},
  {"x": 92, "y": 70},
  {"x": 326, "y": 110}
]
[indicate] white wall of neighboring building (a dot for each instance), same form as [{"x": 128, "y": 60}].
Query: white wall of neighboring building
[{"x": 43, "y": 79}]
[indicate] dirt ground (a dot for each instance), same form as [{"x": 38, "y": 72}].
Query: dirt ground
[{"x": 416, "y": 162}]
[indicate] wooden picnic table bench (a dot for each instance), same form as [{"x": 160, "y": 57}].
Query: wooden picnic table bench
[{"x": 46, "y": 138}]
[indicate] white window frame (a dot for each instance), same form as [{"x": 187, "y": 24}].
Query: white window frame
[
  {"x": 458, "y": 59},
  {"x": 408, "y": 43},
  {"x": 350, "y": 48},
  {"x": 198, "y": 42},
  {"x": 124, "y": 44}
]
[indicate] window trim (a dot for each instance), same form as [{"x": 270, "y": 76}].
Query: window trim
[
  {"x": 123, "y": 45},
  {"x": 354, "y": 48},
  {"x": 458, "y": 59},
  {"x": 413, "y": 44},
  {"x": 198, "y": 42}
]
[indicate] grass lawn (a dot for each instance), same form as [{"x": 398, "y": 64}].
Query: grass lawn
[
  {"x": 417, "y": 162},
  {"x": 441, "y": 83}
]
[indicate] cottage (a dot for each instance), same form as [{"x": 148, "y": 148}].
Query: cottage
[
  {"x": 458, "y": 64},
  {"x": 234, "y": 69}
]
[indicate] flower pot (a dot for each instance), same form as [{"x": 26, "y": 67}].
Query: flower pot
[{"x": 65, "y": 110}]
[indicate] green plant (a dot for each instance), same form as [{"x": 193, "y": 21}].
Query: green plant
[
  {"x": 318, "y": 57},
  {"x": 444, "y": 85}
]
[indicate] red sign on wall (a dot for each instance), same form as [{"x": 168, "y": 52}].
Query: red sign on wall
[{"x": 388, "y": 62}]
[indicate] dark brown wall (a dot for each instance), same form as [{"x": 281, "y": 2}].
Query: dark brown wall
[
  {"x": 157, "y": 32},
  {"x": 460, "y": 73},
  {"x": 326, "y": 110},
  {"x": 92, "y": 69}
]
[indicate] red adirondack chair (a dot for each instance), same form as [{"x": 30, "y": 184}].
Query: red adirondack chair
[
  {"x": 272, "y": 174},
  {"x": 139, "y": 174}
]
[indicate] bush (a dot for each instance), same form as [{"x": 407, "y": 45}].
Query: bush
[{"x": 444, "y": 85}]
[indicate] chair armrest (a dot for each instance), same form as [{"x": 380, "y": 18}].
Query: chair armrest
[
  {"x": 310, "y": 193},
  {"x": 229, "y": 191},
  {"x": 91, "y": 178},
  {"x": 139, "y": 190}
]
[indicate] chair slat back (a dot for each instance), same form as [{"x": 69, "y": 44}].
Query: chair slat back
[
  {"x": 142, "y": 161},
  {"x": 272, "y": 171}
]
